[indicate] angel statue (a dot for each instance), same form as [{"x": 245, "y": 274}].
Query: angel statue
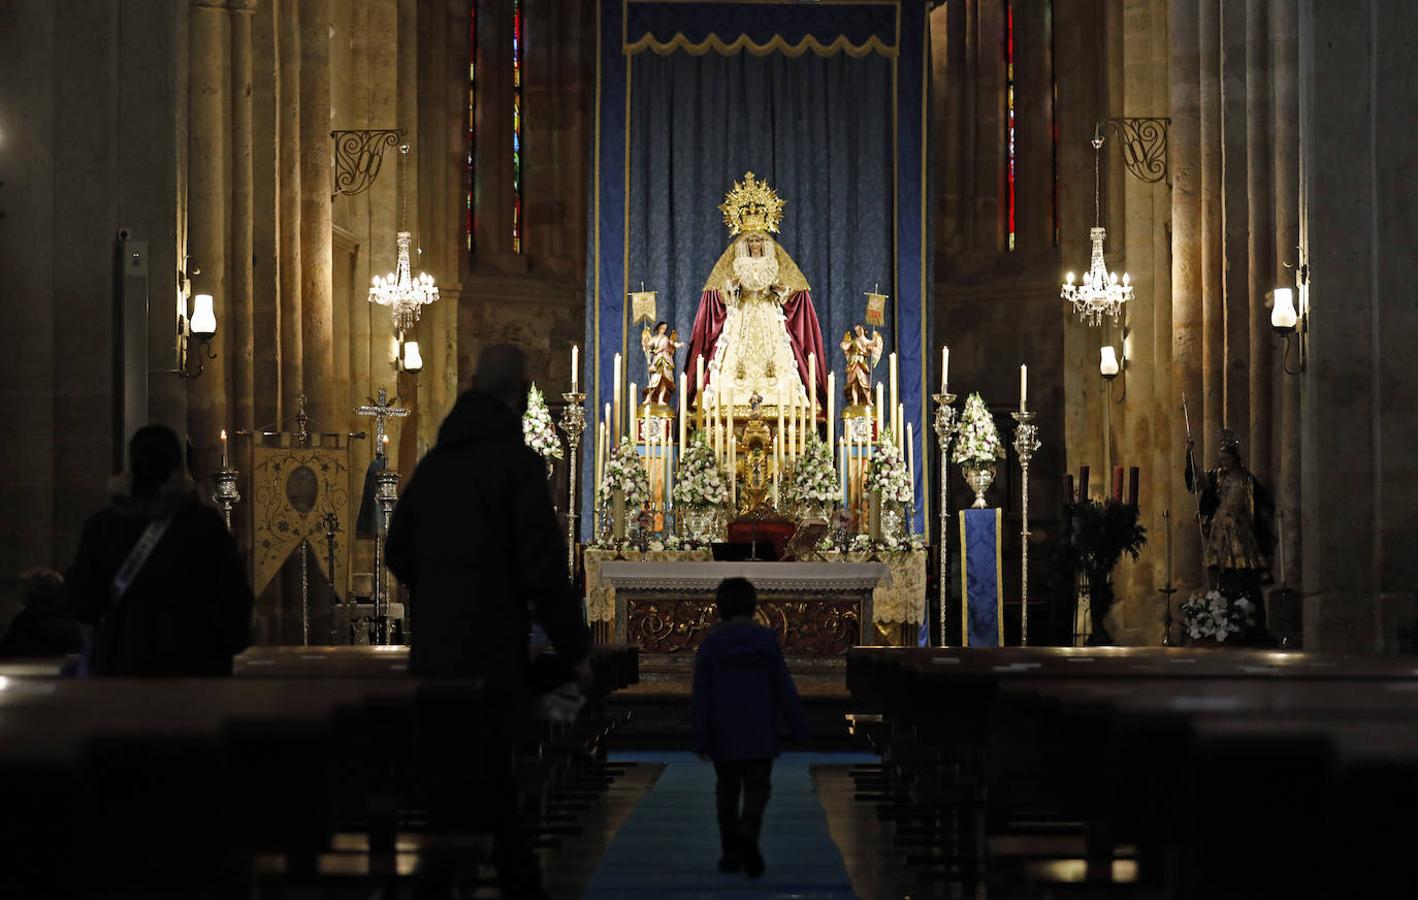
[
  {"x": 863, "y": 353},
  {"x": 659, "y": 346}
]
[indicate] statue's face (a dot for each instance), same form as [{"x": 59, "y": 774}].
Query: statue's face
[
  {"x": 860, "y": 331},
  {"x": 755, "y": 245},
  {"x": 1229, "y": 460},
  {"x": 661, "y": 328}
]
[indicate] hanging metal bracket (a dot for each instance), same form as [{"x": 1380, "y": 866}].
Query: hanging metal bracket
[
  {"x": 359, "y": 156},
  {"x": 1144, "y": 145}
]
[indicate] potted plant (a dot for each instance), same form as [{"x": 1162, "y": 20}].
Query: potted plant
[
  {"x": 1095, "y": 536},
  {"x": 814, "y": 487},
  {"x": 977, "y": 447},
  {"x": 700, "y": 490}
]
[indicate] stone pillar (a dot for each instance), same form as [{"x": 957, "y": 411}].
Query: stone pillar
[
  {"x": 1286, "y": 118},
  {"x": 1260, "y": 210},
  {"x": 316, "y": 189},
  {"x": 1212, "y": 189},
  {"x": 288, "y": 136},
  {"x": 1184, "y": 147},
  {"x": 266, "y": 231},
  {"x": 1235, "y": 288},
  {"x": 208, "y": 149},
  {"x": 240, "y": 279}
]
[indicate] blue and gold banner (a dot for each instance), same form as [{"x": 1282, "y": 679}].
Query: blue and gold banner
[{"x": 981, "y": 582}]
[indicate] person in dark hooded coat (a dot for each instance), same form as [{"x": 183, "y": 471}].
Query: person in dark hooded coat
[
  {"x": 187, "y": 611},
  {"x": 742, "y": 688},
  {"x": 475, "y": 538}
]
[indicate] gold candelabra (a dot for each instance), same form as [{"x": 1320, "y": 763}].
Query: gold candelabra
[
  {"x": 573, "y": 422},
  {"x": 386, "y": 492}
]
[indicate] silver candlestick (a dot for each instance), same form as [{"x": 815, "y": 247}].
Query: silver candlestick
[
  {"x": 1026, "y": 441},
  {"x": 573, "y": 422},
  {"x": 227, "y": 495},
  {"x": 386, "y": 493},
  {"x": 945, "y": 433}
]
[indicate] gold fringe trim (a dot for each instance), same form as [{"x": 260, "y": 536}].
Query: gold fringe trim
[{"x": 744, "y": 43}]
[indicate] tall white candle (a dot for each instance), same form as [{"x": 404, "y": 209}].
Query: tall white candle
[
  {"x": 793, "y": 429},
  {"x": 831, "y": 409},
  {"x": 944, "y": 369},
  {"x": 575, "y": 366},
  {"x": 729, "y": 419},
  {"x": 699, "y": 387},
  {"x": 842, "y": 465},
  {"x": 911, "y": 462},
  {"x": 632, "y": 411},
  {"x": 812, "y": 387},
  {"x": 895, "y": 396},
  {"x": 226, "y": 464},
  {"x": 880, "y": 411},
  {"x": 683, "y": 412},
  {"x": 900, "y": 419},
  {"x": 1023, "y": 386},
  {"x": 617, "y": 424}
]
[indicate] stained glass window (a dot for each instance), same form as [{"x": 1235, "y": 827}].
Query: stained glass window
[
  {"x": 1010, "y": 155},
  {"x": 517, "y": 54},
  {"x": 472, "y": 118}
]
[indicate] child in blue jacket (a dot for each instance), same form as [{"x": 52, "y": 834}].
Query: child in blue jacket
[{"x": 741, "y": 688}]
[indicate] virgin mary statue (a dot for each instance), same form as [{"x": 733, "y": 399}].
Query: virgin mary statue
[{"x": 756, "y": 324}]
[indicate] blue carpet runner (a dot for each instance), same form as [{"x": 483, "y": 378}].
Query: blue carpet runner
[{"x": 669, "y": 848}]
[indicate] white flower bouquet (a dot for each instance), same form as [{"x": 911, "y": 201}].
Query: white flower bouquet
[
  {"x": 538, "y": 432},
  {"x": 887, "y": 472},
  {"x": 699, "y": 482},
  {"x": 976, "y": 438},
  {"x": 815, "y": 476},
  {"x": 624, "y": 472},
  {"x": 1215, "y": 616}
]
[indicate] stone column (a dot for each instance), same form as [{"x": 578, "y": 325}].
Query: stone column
[
  {"x": 266, "y": 269},
  {"x": 1184, "y": 148},
  {"x": 242, "y": 236},
  {"x": 1286, "y": 171},
  {"x": 316, "y": 189},
  {"x": 1235, "y": 252},
  {"x": 1212, "y": 189},
  {"x": 1260, "y": 207},
  {"x": 288, "y": 136},
  {"x": 208, "y": 143}
]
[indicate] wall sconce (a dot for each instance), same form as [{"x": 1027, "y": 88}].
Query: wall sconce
[
  {"x": 1108, "y": 365},
  {"x": 200, "y": 326},
  {"x": 405, "y": 356},
  {"x": 1292, "y": 321}
]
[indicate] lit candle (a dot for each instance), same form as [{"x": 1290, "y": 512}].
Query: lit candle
[
  {"x": 880, "y": 411},
  {"x": 900, "y": 418},
  {"x": 1023, "y": 386},
  {"x": 645, "y": 431},
  {"x": 944, "y": 369},
  {"x": 812, "y": 387},
  {"x": 1167, "y": 518},
  {"x": 895, "y": 397},
  {"x": 699, "y": 387},
  {"x": 683, "y": 412},
  {"x": 842, "y": 465},
  {"x": 793, "y": 428},
  {"x": 780, "y": 440},
  {"x": 729, "y": 418},
  {"x": 575, "y": 366},
  {"x": 911, "y": 461},
  {"x": 831, "y": 409},
  {"x": 225, "y": 463},
  {"x": 632, "y": 410},
  {"x": 615, "y": 401}
]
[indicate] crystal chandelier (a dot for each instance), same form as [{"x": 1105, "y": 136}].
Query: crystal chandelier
[
  {"x": 405, "y": 294},
  {"x": 400, "y": 290},
  {"x": 1101, "y": 294}
]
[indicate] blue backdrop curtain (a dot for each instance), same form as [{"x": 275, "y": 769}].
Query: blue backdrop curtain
[{"x": 826, "y": 103}]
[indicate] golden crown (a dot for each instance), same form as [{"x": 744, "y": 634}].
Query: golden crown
[{"x": 752, "y": 206}]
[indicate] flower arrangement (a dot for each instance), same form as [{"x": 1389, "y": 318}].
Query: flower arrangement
[
  {"x": 537, "y": 429},
  {"x": 1215, "y": 616},
  {"x": 815, "y": 476},
  {"x": 699, "y": 482},
  {"x": 887, "y": 472},
  {"x": 624, "y": 472},
  {"x": 976, "y": 438}
]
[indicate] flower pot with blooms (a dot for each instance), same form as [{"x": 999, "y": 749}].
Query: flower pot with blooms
[
  {"x": 814, "y": 487},
  {"x": 1214, "y": 618},
  {"x": 700, "y": 490},
  {"x": 538, "y": 431},
  {"x": 888, "y": 479},
  {"x": 977, "y": 447},
  {"x": 625, "y": 486}
]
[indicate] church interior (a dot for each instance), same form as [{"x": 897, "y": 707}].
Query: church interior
[{"x": 989, "y": 340}]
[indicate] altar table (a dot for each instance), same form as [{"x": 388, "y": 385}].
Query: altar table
[{"x": 665, "y": 604}]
